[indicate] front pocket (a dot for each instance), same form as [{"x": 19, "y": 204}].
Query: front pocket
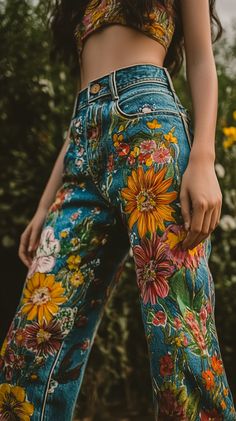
[{"x": 134, "y": 104}]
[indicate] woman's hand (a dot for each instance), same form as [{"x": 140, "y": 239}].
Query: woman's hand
[
  {"x": 30, "y": 237},
  {"x": 200, "y": 199}
]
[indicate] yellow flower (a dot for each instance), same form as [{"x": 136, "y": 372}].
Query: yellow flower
[
  {"x": 136, "y": 151},
  {"x": 117, "y": 138},
  {"x": 153, "y": 124},
  {"x": 228, "y": 142},
  {"x": 13, "y": 404},
  {"x": 225, "y": 391},
  {"x": 33, "y": 377},
  {"x": 64, "y": 234},
  {"x": 223, "y": 404},
  {"x": 148, "y": 201},
  {"x": 42, "y": 297},
  {"x": 77, "y": 278},
  {"x": 149, "y": 161},
  {"x": 230, "y": 131},
  {"x": 73, "y": 261},
  {"x": 170, "y": 137},
  {"x": 178, "y": 341},
  {"x": 234, "y": 115},
  {"x": 74, "y": 241}
]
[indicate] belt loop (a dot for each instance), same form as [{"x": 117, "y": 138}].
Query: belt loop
[
  {"x": 112, "y": 83},
  {"x": 75, "y": 106},
  {"x": 172, "y": 88},
  {"x": 89, "y": 92}
]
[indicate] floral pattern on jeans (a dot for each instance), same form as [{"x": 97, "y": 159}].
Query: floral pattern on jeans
[{"x": 121, "y": 182}]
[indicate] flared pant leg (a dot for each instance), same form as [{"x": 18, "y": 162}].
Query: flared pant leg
[{"x": 82, "y": 248}]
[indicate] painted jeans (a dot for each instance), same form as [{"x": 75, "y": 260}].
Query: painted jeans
[{"x": 129, "y": 147}]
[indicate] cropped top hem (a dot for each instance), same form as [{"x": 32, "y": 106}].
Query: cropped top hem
[{"x": 160, "y": 27}]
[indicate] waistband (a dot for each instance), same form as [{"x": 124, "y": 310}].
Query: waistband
[{"x": 115, "y": 81}]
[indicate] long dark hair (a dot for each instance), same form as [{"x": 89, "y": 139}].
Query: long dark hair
[{"x": 66, "y": 14}]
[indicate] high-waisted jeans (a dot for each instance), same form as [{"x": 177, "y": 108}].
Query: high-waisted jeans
[{"x": 129, "y": 147}]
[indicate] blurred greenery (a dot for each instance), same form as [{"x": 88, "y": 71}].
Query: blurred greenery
[{"x": 35, "y": 107}]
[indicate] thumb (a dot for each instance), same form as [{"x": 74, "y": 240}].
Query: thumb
[{"x": 186, "y": 210}]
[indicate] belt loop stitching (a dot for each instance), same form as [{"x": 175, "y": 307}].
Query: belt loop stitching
[
  {"x": 112, "y": 83},
  {"x": 89, "y": 96}
]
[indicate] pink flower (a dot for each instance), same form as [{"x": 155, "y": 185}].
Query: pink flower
[
  {"x": 161, "y": 155},
  {"x": 148, "y": 146},
  {"x": 131, "y": 159},
  {"x": 153, "y": 269},
  {"x": 173, "y": 237},
  {"x": 44, "y": 259}
]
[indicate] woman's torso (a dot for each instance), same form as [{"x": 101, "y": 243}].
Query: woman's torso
[{"x": 106, "y": 42}]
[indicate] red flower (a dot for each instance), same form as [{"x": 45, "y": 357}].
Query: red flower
[
  {"x": 166, "y": 365},
  {"x": 210, "y": 416},
  {"x": 123, "y": 149},
  {"x": 43, "y": 339},
  {"x": 159, "y": 318},
  {"x": 177, "y": 323},
  {"x": 153, "y": 269}
]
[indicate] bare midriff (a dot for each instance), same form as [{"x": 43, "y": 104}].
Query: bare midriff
[{"x": 116, "y": 46}]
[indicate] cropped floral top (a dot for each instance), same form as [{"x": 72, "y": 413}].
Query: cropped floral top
[{"x": 160, "y": 27}]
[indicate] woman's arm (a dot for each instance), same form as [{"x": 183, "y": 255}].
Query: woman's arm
[
  {"x": 30, "y": 237},
  {"x": 200, "y": 193},
  {"x": 55, "y": 179}
]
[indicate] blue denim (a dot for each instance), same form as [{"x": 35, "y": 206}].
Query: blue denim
[{"x": 129, "y": 146}]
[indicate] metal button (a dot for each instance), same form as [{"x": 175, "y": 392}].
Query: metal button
[{"x": 95, "y": 88}]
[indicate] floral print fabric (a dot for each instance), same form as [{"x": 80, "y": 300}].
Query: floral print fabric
[
  {"x": 160, "y": 23},
  {"x": 129, "y": 147}
]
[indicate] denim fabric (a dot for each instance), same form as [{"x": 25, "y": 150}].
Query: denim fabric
[{"x": 129, "y": 147}]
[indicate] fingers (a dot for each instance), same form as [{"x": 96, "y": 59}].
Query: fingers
[
  {"x": 207, "y": 228},
  {"x": 185, "y": 208},
  {"x": 196, "y": 224},
  {"x": 23, "y": 247},
  {"x": 205, "y": 218}
]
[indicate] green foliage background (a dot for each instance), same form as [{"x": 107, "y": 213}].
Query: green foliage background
[{"x": 35, "y": 108}]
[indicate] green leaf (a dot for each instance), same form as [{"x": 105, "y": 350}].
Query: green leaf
[
  {"x": 198, "y": 299},
  {"x": 193, "y": 405},
  {"x": 179, "y": 289}
]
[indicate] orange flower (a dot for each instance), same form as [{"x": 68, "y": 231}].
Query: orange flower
[
  {"x": 42, "y": 297},
  {"x": 148, "y": 200},
  {"x": 153, "y": 124},
  {"x": 223, "y": 404},
  {"x": 217, "y": 365},
  {"x": 208, "y": 378},
  {"x": 170, "y": 137}
]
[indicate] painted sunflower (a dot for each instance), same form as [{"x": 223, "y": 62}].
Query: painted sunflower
[
  {"x": 148, "y": 201},
  {"x": 13, "y": 404},
  {"x": 42, "y": 297}
]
